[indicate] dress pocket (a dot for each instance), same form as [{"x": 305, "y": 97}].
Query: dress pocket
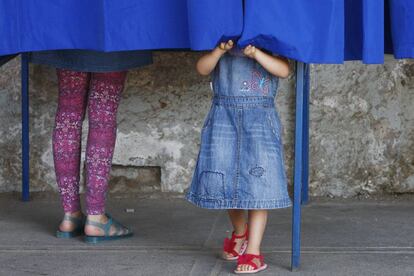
[
  {"x": 209, "y": 118},
  {"x": 211, "y": 185},
  {"x": 273, "y": 124}
]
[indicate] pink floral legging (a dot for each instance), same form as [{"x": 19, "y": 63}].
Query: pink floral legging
[{"x": 101, "y": 93}]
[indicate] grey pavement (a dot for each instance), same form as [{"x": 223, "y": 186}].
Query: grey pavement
[{"x": 340, "y": 237}]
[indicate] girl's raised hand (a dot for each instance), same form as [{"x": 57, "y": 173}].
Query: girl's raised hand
[
  {"x": 226, "y": 46},
  {"x": 250, "y": 51},
  {"x": 208, "y": 62}
]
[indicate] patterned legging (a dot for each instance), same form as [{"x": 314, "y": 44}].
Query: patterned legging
[{"x": 101, "y": 92}]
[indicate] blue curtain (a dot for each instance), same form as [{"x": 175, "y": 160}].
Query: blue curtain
[
  {"x": 331, "y": 31},
  {"x": 106, "y": 25},
  {"x": 364, "y": 30},
  {"x": 41, "y": 25},
  {"x": 307, "y": 30},
  {"x": 212, "y": 21},
  {"x": 401, "y": 30},
  {"x": 316, "y": 31},
  {"x": 114, "y": 25}
]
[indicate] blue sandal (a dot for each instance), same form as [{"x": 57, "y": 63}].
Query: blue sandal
[
  {"x": 79, "y": 227},
  {"x": 121, "y": 232}
]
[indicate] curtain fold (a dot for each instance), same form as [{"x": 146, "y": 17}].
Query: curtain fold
[
  {"x": 310, "y": 31},
  {"x": 401, "y": 20},
  {"x": 213, "y": 21},
  {"x": 364, "y": 30},
  {"x": 317, "y": 31}
]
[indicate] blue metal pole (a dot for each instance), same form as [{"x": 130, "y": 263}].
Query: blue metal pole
[
  {"x": 305, "y": 145},
  {"x": 25, "y": 128},
  {"x": 296, "y": 215}
]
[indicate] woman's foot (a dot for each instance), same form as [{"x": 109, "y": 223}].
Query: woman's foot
[
  {"x": 236, "y": 245},
  {"x": 91, "y": 228},
  {"x": 70, "y": 225}
]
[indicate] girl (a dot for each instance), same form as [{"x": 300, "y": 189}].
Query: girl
[
  {"x": 240, "y": 165},
  {"x": 94, "y": 81}
]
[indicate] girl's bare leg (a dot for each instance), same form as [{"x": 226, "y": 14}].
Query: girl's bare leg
[
  {"x": 257, "y": 225},
  {"x": 238, "y": 220}
]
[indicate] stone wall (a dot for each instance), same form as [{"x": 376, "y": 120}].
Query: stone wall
[{"x": 362, "y": 127}]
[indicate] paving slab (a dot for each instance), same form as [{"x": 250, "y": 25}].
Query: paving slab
[{"x": 172, "y": 237}]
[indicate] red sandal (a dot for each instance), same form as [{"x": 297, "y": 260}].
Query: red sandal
[
  {"x": 230, "y": 245},
  {"x": 247, "y": 259}
]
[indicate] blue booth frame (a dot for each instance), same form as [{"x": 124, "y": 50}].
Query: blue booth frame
[{"x": 301, "y": 162}]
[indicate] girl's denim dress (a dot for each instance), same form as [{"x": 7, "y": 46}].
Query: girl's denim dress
[{"x": 240, "y": 164}]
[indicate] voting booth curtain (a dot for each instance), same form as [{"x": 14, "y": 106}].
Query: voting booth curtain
[
  {"x": 331, "y": 31},
  {"x": 317, "y": 31}
]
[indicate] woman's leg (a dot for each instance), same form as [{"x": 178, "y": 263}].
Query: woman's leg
[
  {"x": 73, "y": 87},
  {"x": 104, "y": 98},
  {"x": 257, "y": 226},
  {"x": 239, "y": 221}
]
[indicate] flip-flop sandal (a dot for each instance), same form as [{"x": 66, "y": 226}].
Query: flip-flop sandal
[
  {"x": 229, "y": 246},
  {"x": 121, "y": 232},
  {"x": 79, "y": 227},
  {"x": 247, "y": 259}
]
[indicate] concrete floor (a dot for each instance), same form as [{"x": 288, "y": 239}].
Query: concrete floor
[{"x": 345, "y": 237}]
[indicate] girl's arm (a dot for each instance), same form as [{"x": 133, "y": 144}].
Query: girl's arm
[
  {"x": 208, "y": 62},
  {"x": 277, "y": 66}
]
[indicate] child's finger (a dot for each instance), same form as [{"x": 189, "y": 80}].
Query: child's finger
[{"x": 230, "y": 42}]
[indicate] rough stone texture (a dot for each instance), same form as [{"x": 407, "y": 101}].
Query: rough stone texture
[
  {"x": 362, "y": 127},
  {"x": 10, "y": 129}
]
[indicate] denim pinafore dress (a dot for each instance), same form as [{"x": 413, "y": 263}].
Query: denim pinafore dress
[{"x": 240, "y": 163}]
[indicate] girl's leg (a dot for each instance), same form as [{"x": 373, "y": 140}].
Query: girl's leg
[
  {"x": 239, "y": 222},
  {"x": 257, "y": 225},
  {"x": 104, "y": 98},
  {"x": 73, "y": 87}
]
